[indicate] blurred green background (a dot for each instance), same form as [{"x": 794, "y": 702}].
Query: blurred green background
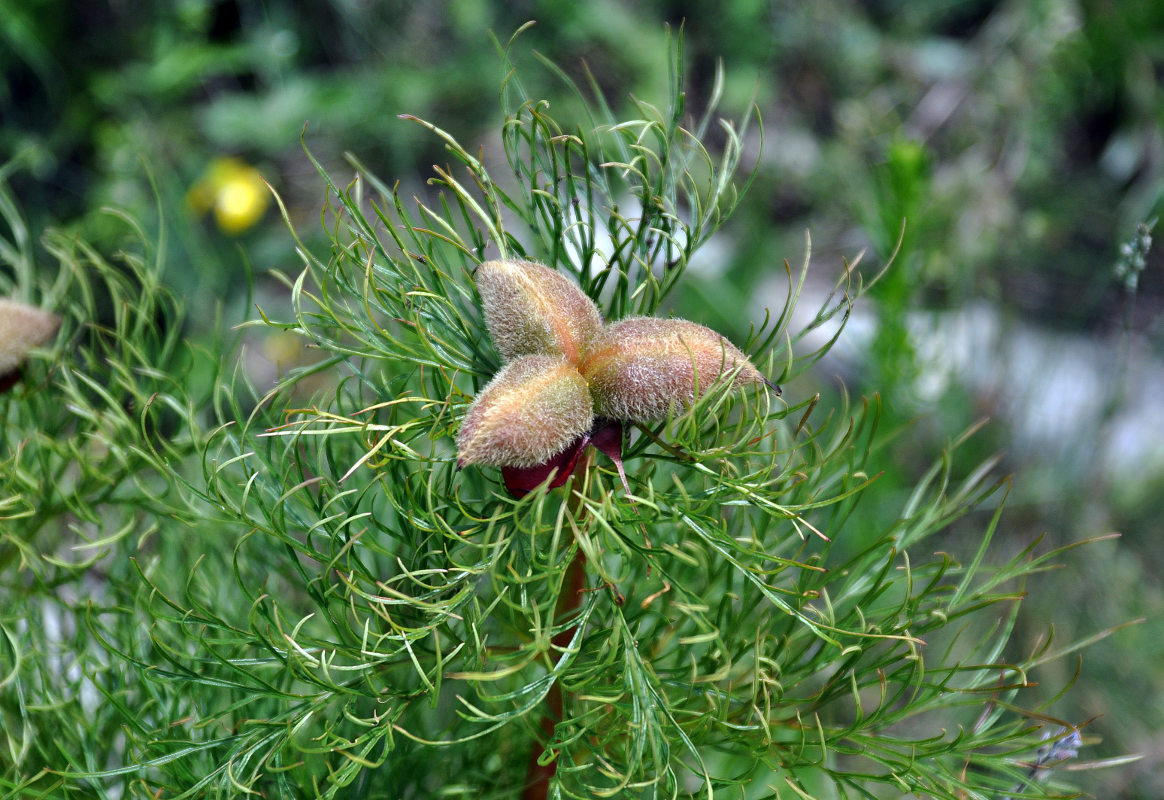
[{"x": 1021, "y": 140}]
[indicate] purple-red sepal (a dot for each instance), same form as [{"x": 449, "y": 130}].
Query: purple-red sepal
[
  {"x": 9, "y": 379},
  {"x": 606, "y": 435}
]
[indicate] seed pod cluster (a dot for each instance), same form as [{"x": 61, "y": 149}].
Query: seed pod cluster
[{"x": 566, "y": 370}]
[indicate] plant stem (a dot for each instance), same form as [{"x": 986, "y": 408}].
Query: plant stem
[{"x": 537, "y": 781}]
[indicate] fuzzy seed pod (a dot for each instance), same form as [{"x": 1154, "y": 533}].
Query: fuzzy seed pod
[
  {"x": 641, "y": 368},
  {"x": 22, "y": 327},
  {"x": 531, "y": 410},
  {"x": 533, "y": 309}
]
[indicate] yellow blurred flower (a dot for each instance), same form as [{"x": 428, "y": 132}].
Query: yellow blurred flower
[{"x": 234, "y": 190}]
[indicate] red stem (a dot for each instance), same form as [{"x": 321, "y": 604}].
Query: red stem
[{"x": 537, "y": 780}]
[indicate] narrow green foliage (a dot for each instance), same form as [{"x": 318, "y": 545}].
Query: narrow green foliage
[{"x": 211, "y": 590}]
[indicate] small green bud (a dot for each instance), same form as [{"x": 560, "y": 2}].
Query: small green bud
[
  {"x": 641, "y": 368},
  {"x": 531, "y": 309},
  {"x": 531, "y": 410},
  {"x": 22, "y": 328}
]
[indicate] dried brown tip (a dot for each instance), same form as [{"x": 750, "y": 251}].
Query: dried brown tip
[
  {"x": 642, "y": 368},
  {"x": 531, "y": 410},
  {"x": 531, "y": 309},
  {"x": 22, "y": 327}
]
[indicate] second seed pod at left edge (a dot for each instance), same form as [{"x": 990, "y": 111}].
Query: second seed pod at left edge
[{"x": 22, "y": 327}]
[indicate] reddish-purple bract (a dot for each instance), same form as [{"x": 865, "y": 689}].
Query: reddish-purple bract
[
  {"x": 520, "y": 481},
  {"x": 606, "y": 436}
]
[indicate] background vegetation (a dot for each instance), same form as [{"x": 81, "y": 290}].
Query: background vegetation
[{"x": 1022, "y": 141}]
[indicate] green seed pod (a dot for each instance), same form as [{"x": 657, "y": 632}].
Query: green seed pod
[
  {"x": 531, "y": 410},
  {"x": 533, "y": 309},
  {"x": 22, "y": 328},
  {"x": 641, "y": 368}
]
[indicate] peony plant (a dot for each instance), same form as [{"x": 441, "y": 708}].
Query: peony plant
[{"x": 212, "y": 587}]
